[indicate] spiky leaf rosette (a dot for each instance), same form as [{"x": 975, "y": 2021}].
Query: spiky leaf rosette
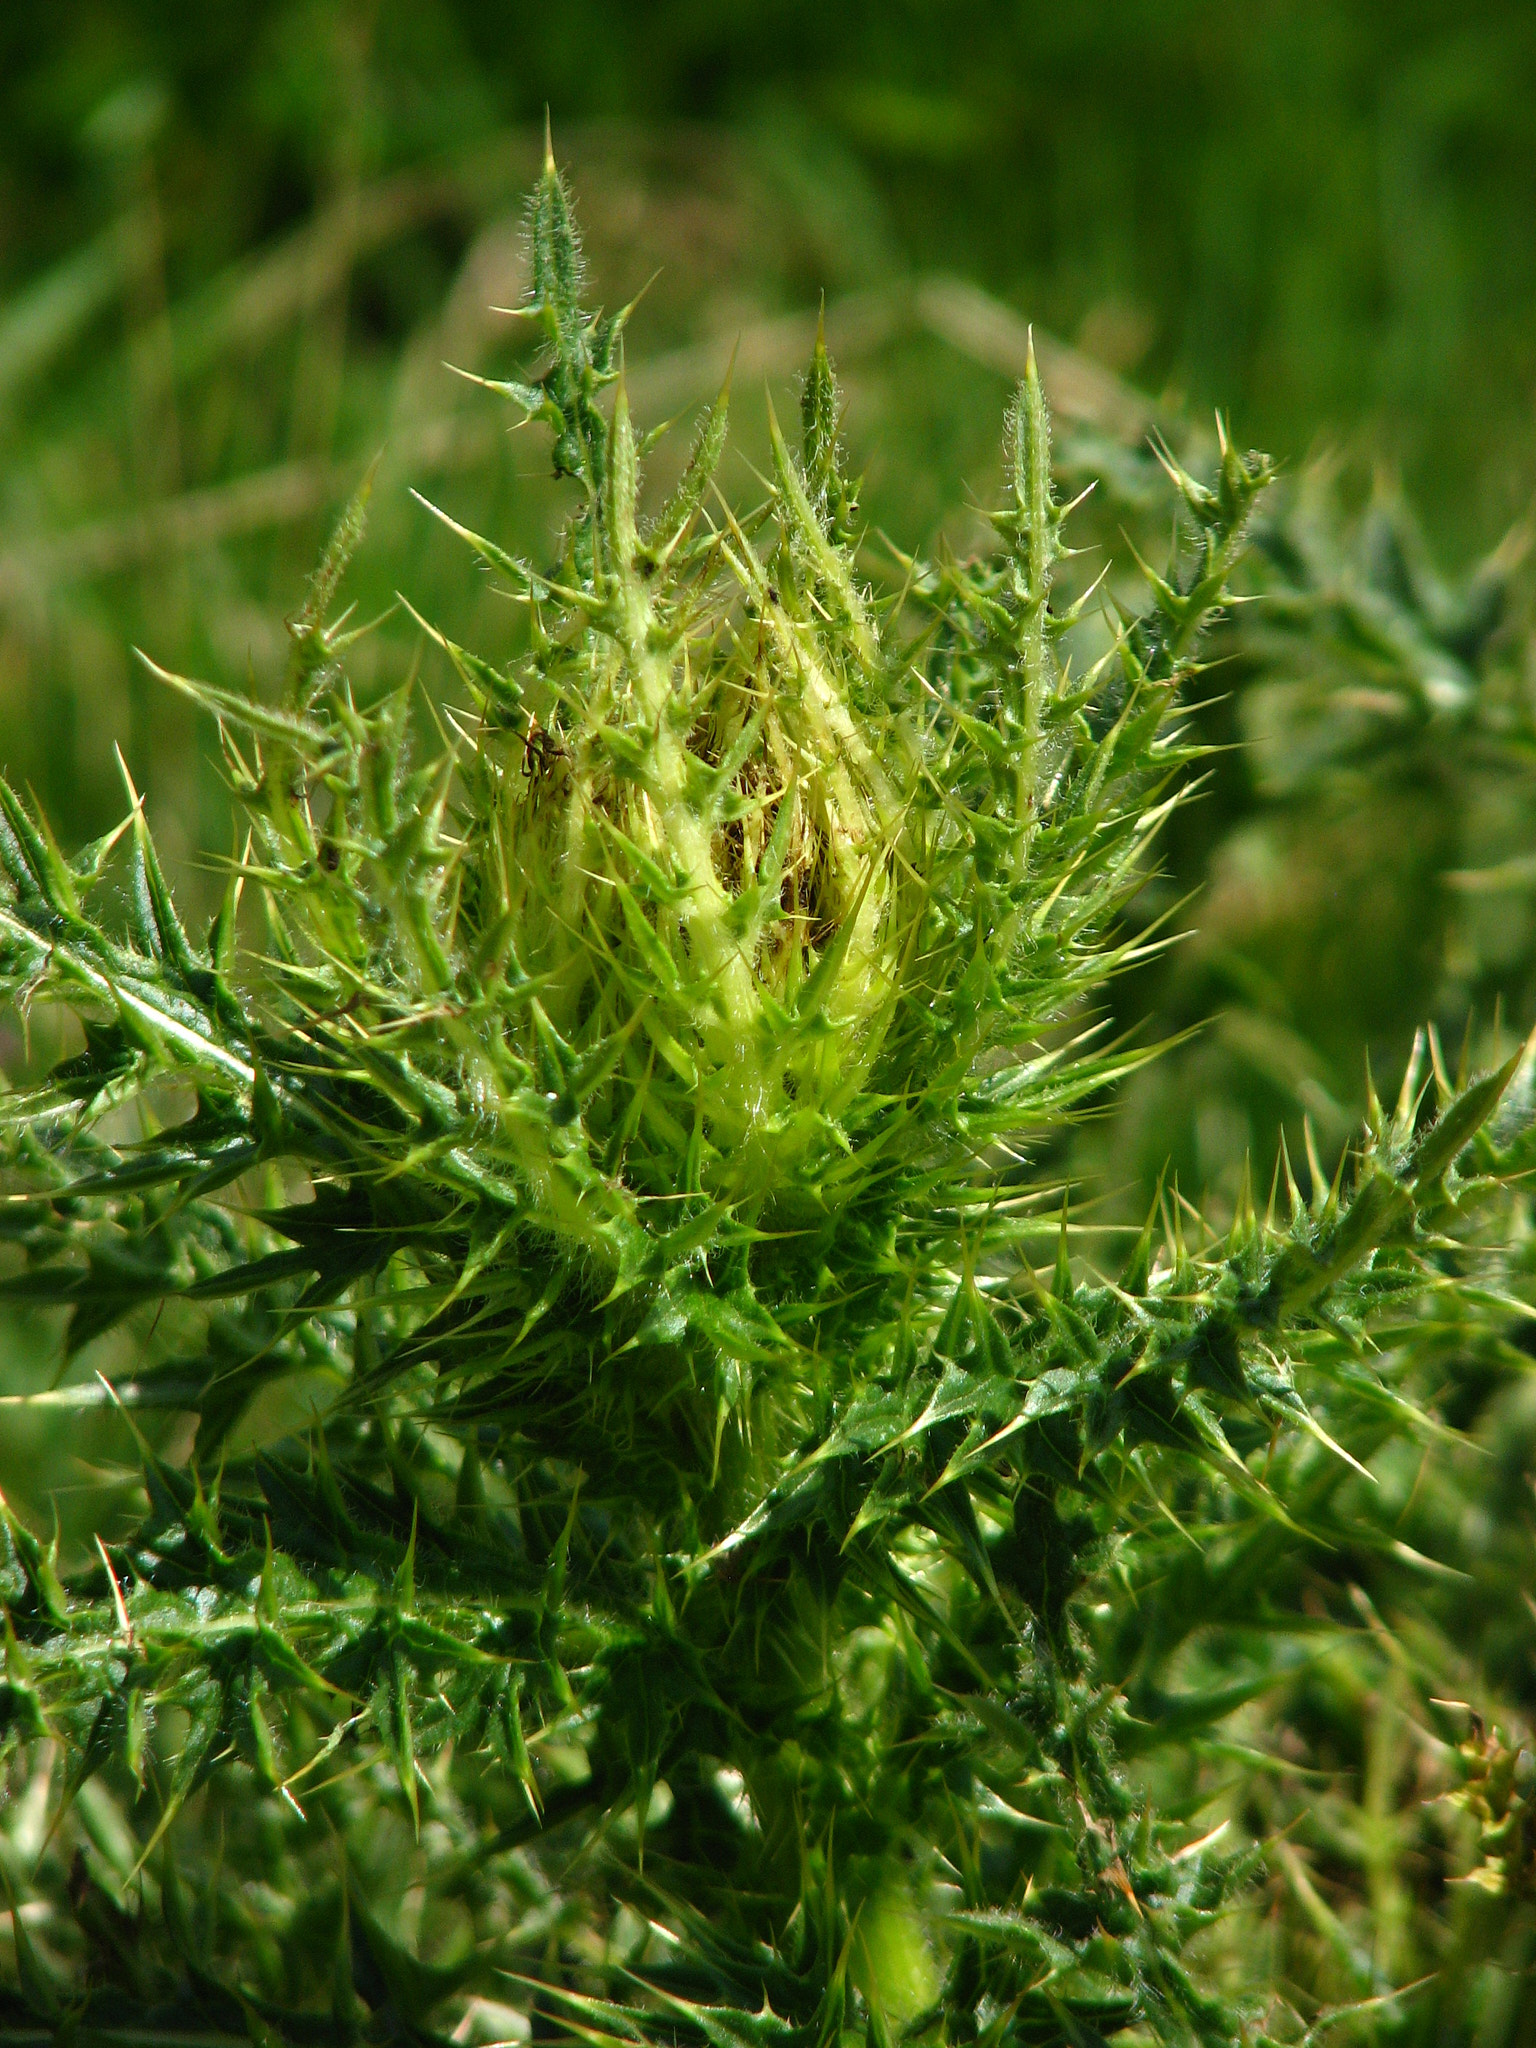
[{"x": 595, "y": 1259}]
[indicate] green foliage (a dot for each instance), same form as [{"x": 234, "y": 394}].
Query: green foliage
[
  {"x": 634, "y": 1542},
  {"x": 1365, "y": 844}
]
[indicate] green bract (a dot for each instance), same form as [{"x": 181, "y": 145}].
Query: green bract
[{"x": 637, "y": 1470}]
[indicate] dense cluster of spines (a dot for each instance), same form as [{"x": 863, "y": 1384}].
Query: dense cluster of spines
[{"x": 609, "y": 1153}]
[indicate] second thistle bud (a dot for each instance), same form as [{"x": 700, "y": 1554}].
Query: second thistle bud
[
  {"x": 1036, "y": 542},
  {"x": 834, "y": 497}
]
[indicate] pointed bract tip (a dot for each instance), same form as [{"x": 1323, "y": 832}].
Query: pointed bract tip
[
  {"x": 122, "y": 760},
  {"x": 549, "y": 145}
]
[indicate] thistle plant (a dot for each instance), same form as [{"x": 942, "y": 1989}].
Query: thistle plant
[{"x": 639, "y": 1463}]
